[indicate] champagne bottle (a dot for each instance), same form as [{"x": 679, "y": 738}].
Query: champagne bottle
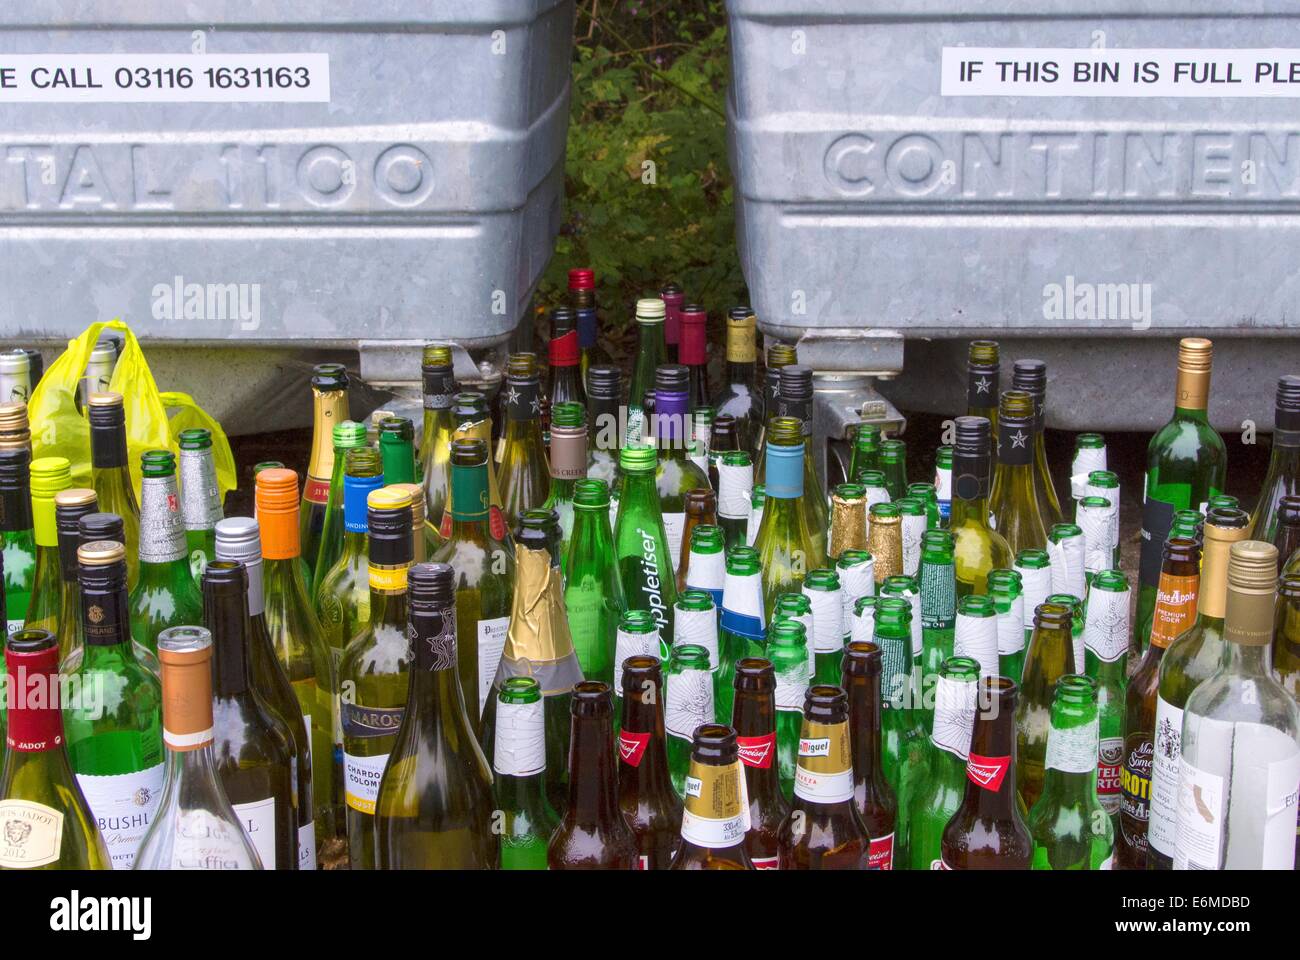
[
  {"x": 786, "y": 542},
  {"x": 1105, "y": 640},
  {"x": 348, "y": 435},
  {"x": 645, "y": 791},
  {"x": 114, "y": 743},
  {"x": 40, "y": 799},
  {"x": 1050, "y": 657},
  {"x": 797, "y": 402},
  {"x": 651, "y": 353},
  {"x": 329, "y": 395},
  {"x": 1283, "y": 476},
  {"x": 70, "y": 506},
  {"x": 787, "y": 646},
  {"x": 641, "y": 545},
  {"x": 373, "y": 669},
  {"x": 1186, "y": 465},
  {"x": 195, "y": 827},
  {"x": 983, "y": 381},
  {"x": 439, "y": 386},
  {"x": 1014, "y": 501},
  {"x": 434, "y": 807},
  {"x": 519, "y": 776},
  {"x": 873, "y": 799},
  {"x": 17, "y": 535},
  {"x": 521, "y": 457},
  {"x": 110, "y": 475},
  {"x": 688, "y": 702},
  {"x": 252, "y": 744},
  {"x": 605, "y": 427},
  {"x": 736, "y": 398},
  {"x": 299, "y": 645},
  {"x": 716, "y": 815},
  {"x": 49, "y": 476},
  {"x": 568, "y": 461},
  {"x": 200, "y": 498},
  {"x": 164, "y": 594},
  {"x": 754, "y": 720},
  {"x": 397, "y": 450}
]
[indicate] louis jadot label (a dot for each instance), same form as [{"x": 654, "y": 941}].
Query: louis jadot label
[
  {"x": 1072, "y": 749},
  {"x": 631, "y": 747},
  {"x": 716, "y": 807},
  {"x": 825, "y": 770},
  {"x": 1110, "y": 770},
  {"x": 987, "y": 772},
  {"x": 33, "y": 834},
  {"x": 757, "y": 751},
  {"x": 1167, "y": 755},
  {"x": 880, "y": 854},
  {"x": 1175, "y": 607}
]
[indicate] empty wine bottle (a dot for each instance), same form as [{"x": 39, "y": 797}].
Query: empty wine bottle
[
  {"x": 1014, "y": 500},
  {"x": 1031, "y": 377},
  {"x": 70, "y": 506},
  {"x": 983, "y": 380},
  {"x": 519, "y": 776},
  {"x": 582, "y": 297},
  {"x": 49, "y": 477},
  {"x": 797, "y": 401},
  {"x": 605, "y": 426},
  {"x": 651, "y": 353},
  {"x": 110, "y": 475},
  {"x": 164, "y": 594},
  {"x": 786, "y": 542},
  {"x": 200, "y": 497},
  {"x": 347, "y": 436},
  {"x": 737, "y": 397}
]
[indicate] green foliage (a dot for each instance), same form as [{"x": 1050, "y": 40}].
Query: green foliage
[{"x": 647, "y": 105}]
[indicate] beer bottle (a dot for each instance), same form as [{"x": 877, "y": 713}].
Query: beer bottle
[
  {"x": 592, "y": 835},
  {"x": 902, "y": 738},
  {"x": 942, "y": 780},
  {"x": 912, "y": 523},
  {"x": 1105, "y": 640},
  {"x": 1005, "y": 587},
  {"x": 1068, "y": 823},
  {"x": 1035, "y": 569},
  {"x": 716, "y": 819},
  {"x": 743, "y": 626},
  {"x": 798, "y": 606},
  {"x": 697, "y": 622},
  {"x": 885, "y": 539},
  {"x": 519, "y": 776},
  {"x": 735, "y": 486},
  {"x": 906, "y": 588},
  {"x": 893, "y": 464},
  {"x": 1076, "y": 625},
  {"x": 979, "y": 548},
  {"x": 1050, "y": 657},
  {"x": 925, "y": 493},
  {"x": 706, "y": 568},
  {"x": 943, "y": 484},
  {"x": 938, "y": 605},
  {"x": 873, "y": 798},
  {"x": 822, "y": 588},
  {"x": 866, "y": 449},
  {"x": 787, "y": 645},
  {"x": 637, "y": 636},
  {"x": 848, "y": 520},
  {"x": 983, "y": 380},
  {"x": 645, "y": 561},
  {"x": 688, "y": 702},
  {"x": 521, "y": 458},
  {"x": 864, "y": 619},
  {"x": 1174, "y": 612},
  {"x": 757, "y": 500},
  {"x": 1094, "y": 517},
  {"x": 987, "y": 832},
  {"x": 645, "y": 792},
  {"x": 1065, "y": 552},
  {"x": 700, "y": 511},
  {"x": 857, "y": 573},
  {"x": 754, "y": 719},
  {"x": 1089, "y": 455},
  {"x": 1014, "y": 501},
  {"x": 977, "y": 634},
  {"x": 593, "y": 593},
  {"x": 823, "y": 830}
]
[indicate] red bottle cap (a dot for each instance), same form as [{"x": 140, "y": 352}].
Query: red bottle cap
[
  {"x": 583, "y": 278},
  {"x": 693, "y": 350}
]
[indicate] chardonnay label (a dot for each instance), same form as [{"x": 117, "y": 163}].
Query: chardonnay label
[
  {"x": 123, "y": 806},
  {"x": 361, "y": 777},
  {"x": 257, "y": 817},
  {"x": 491, "y": 641},
  {"x": 32, "y": 834},
  {"x": 1161, "y": 830}
]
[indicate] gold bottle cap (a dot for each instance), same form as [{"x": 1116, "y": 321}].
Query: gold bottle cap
[
  {"x": 415, "y": 493},
  {"x": 14, "y": 431},
  {"x": 1195, "y": 355},
  {"x": 105, "y": 400},
  {"x": 101, "y": 553},
  {"x": 1252, "y": 588},
  {"x": 1252, "y": 565},
  {"x": 74, "y": 497},
  {"x": 1214, "y": 567}
]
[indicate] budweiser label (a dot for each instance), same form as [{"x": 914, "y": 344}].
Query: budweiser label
[
  {"x": 631, "y": 747},
  {"x": 757, "y": 751},
  {"x": 880, "y": 855},
  {"x": 987, "y": 772}
]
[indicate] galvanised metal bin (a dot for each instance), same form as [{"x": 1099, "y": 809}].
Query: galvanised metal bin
[
  {"x": 409, "y": 188},
  {"x": 879, "y": 197}
]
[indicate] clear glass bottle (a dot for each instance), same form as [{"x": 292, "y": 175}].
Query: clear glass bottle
[
  {"x": 983, "y": 380},
  {"x": 797, "y": 401},
  {"x": 164, "y": 594},
  {"x": 787, "y": 544},
  {"x": 69, "y": 507},
  {"x": 49, "y": 477},
  {"x": 439, "y": 386},
  {"x": 606, "y": 425},
  {"x": 650, "y": 355},
  {"x": 521, "y": 457}
]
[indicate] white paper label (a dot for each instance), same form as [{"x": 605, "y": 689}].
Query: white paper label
[
  {"x": 1011, "y": 629},
  {"x": 791, "y": 684},
  {"x": 33, "y": 834},
  {"x": 913, "y": 527},
  {"x": 257, "y": 817},
  {"x": 914, "y": 598},
  {"x": 520, "y": 748},
  {"x": 827, "y": 626},
  {"x": 491, "y": 641},
  {"x": 1137, "y": 72},
  {"x": 123, "y": 806},
  {"x": 707, "y": 571},
  {"x": 1085, "y": 461},
  {"x": 688, "y": 702},
  {"x": 1167, "y": 754},
  {"x": 1073, "y": 749},
  {"x": 165, "y": 78},
  {"x": 977, "y": 637},
  {"x": 864, "y": 626},
  {"x": 856, "y": 582},
  {"x": 1067, "y": 566},
  {"x": 735, "y": 486},
  {"x": 307, "y": 846},
  {"x": 674, "y": 525},
  {"x": 1105, "y": 630},
  {"x": 1281, "y": 793},
  {"x": 628, "y": 644},
  {"x": 1098, "y": 526},
  {"x": 699, "y": 627},
  {"x": 943, "y": 485},
  {"x": 1036, "y": 584},
  {"x": 361, "y": 778},
  {"x": 954, "y": 715},
  {"x": 822, "y": 787},
  {"x": 807, "y": 620},
  {"x": 1200, "y": 819},
  {"x": 751, "y": 528}
]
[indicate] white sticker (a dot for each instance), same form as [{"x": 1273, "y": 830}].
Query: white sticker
[
  {"x": 1035, "y": 584},
  {"x": 1072, "y": 749},
  {"x": 735, "y": 486},
  {"x": 627, "y": 644},
  {"x": 913, "y": 527},
  {"x": 41, "y": 830},
  {"x": 707, "y": 571},
  {"x": 1200, "y": 819},
  {"x": 361, "y": 779},
  {"x": 699, "y": 627},
  {"x": 491, "y": 641},
  {"x": 954, "y": 715},
  {"x": 1167, "y": 740},
  {"x": 307, "y": 846},
  {"x": 1281, "y": 792},
  {"x": 827, "y": 616},
  {"x": 688, "y": 702},
  {"x": 1105, "y": 629},
  {"x": 1011, "y": 628},
  {"x": 864, "y": 626},
  {"x": 123, "y": 806},
  {"x": 755, "y": 521},
  {"x": 943, "y": 484},
  {"x": 977, "y": 637},
  {"x": 1111, "y": 72},
  {"x": 520, "y": 747},
  {"x": 822, "y": 787},
  {"x": 791, "y": 684},
  {"x": 674, "y": 525},
  {"x": 1067, "y": 568},
  {"x": 914, "y": 598},
  {"x": 165, "y": 78},
  {"x": 257, "y": 817},
  {"x": 856, "y": 582}
]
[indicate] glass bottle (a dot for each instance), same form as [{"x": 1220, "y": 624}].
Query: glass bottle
[
  {"x": 797, "y": 402},
  {"x": 778, "y": 355},
  {"x": 1035, "y": 569},
  {"x": 521, "y": 457},
  {"x": 786, "y": 542},
  {"x": 637, "y": 636},
  {"x": 1186, "y": 465},
  {"x": 742, "y": 625},
  {"x": 693, "y": 354},
  {"x": 938, "y": 602},
  {"x": 893, "y": 464},
  {"x": 829, "y": 633},
  {"x": 1031, "y": 377},
  {"x": 651, "y": 353},
  {"x": 605, "y": 426},
  {"x": 716, "y": 818},
  {"x": 593, "y": 593},
  {"x": 17, "y": 535},
  {"x": 195, "y": 827},
  {"x": 1068, "y": 823},
  {"x": 49, "y": 477},
  {"x": 857, "y": 572},
  {"x": 568, "y": 464},
  {"x": 438, "y": 377},
  {"x": 688, "y": 702},
  {"x": 700, "y": 510},
  {"x": 787, "y": 646},
  {"x": 976, "y": 635},
  {"x": 1014, "y": 502},
  {"x": 912, "y": 523},
  {"x": 1006, "y": 588},
  {"x": 110, "y": 474},
  {"x": 519, "y": 777},
  {"x": 1283, "y": 476},
  {"x": 906, "y": 588},
  {"x": 15, "y": 376},
  {"x": 735, "y": 485},
  {"x": 348, "y": 435},
  {"x": 943, "y": 483},
  {"x": 1286, "y": 635},
  {"x": 397, "y": 449},
  {"x": 873, "y": 799},
  {"x": 1105, "y": 641},
  {"x": 641, "y": 544},
  {"x": 645, "y": 790},
  {"x": 736, "y": 397},
  {"x": 705, "y": 567},
  {"x": 200, "y": 497},
  {"x": 70, "y": 506},
  {"x": 474, "y": 422},
  {"x": 848, "y": 530},
  {"x": 676, "y": 475},
  {"x": 755, "y": 720},
  {"x": 1089, "y": 455},
  {"x": 564, "y": 357},
  {"x": 696, "y": 622},
  {"x": 901, "y": 736},
  {"x": 164, "y": 594},
  {"x": 329, "y": 398},
  {"x": 1050, "y": 656},
  {"x": 434, "y": 807},
  {"x": 1287, "y": 538},
  {"x": 674, "y": 299},
  {"x": 979, "y": 548},
  {"x": 866, "y": 449},
  {"x": 582, "y": 296},
  {"x": 798, "y": 607},
  {"x": 983, "y": 380}
]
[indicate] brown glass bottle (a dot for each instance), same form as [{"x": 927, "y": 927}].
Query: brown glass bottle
[
  {"x": 701, "y": 508},
  {"x": 592, "y": 834},
  {"x": 753, "y": 715},
  {"x": 724, "y": 437},
  {"x": 823, "y": 831},
  {"x": 716, "y": 817},
  {"x": 873, "y": 798},
  {"x": 1175, "y": 611},
  {"x": 645, "y": 792},
  {"x": 987, "y": 832}
]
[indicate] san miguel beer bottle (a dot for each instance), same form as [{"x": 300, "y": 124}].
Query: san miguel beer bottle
[
  {"x": 716, "y": 815},
  {"x": 754, "y": 719},
  {"x": 645, "y": 792},
  {"x": 987, "y": 831},
  {"x": 872, "y": 796},
  {"x": 823, "y": 830}
]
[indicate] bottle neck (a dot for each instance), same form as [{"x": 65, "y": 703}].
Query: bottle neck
[
  {"x": 106, "y": 618},
  {"x": 864, "y": 713},
  {"x": 200, "y": 493},
  {"x": 15, "y": 510},
  {"x": 643, "y": 771},
  {"x": 990, "y": 770},
  {"x": 228, "y": 620},
  {"x": 329, "y": 407},
  {"x": 755, "y": 717},
  {"x": 592, "y": 792},
  {"x": 740, "y": 375}
]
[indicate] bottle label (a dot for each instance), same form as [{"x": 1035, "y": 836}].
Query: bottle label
[
  {"x": 827, "y": 629},
  {"x": 523, "y": 399},
  {"x": 913, "y": 527},
  {"x": 764, "y": 863},
  {"x": 1168, "y": 752},
  {"x": 791, "y": 684},
  {"x": 943, "y": 490},
  {"x": 1157, "y": 518},
  {"x": 1175, "y": 607},
  {"x": 33, "y": 834},
  {"x": 674, "y": 525},
  {"x": 1035, "y": 584},
  {"x": 307, "y": 846},
  {"x": 361, "y": 779},
  {"x": 742, "y": 607},
  {"x": 1105, "y": 632},
  {"x": 1011, "y": 628},
  {"x": 938, "y": 596},
  {"x": 757, "y": 751},
  {"x": 707, "y": 571},
  {"x": 123, "y": 806},
  {"x": 388, "y": 580},
  {"x": 364, "y": 723},
  {"x": 316, "y": 490},
  {"x": 688, "y": 702},
  {"x": 1199, "y": 844},
  {"x": 954, "y": 716},
  {"x": 568, "y": 456},
  {"x": 631, "y": 746},
  {"x": 918, "y": 634},
  {"x": 491, "y": 641},
  {"x": 563, "y": 350},
  {"x": 162, "y": 529},
  {"x": 987, "y": 772},
  {"x": 1135, "y": 790},
  {"x": 1072, "y": 749},
  {"x": 715, "y": 810},
  {"x": 1110, "y": 768},
  {"x": 1015, "y": 443},
  {"x": 895, "y": 671},
  {"x": 863, "y": 626},
  {"x": 698, "y": 627},
  {"x": 1100, "y": 526},
  {"x": 628, "y": 644},
  {"x": 200, "y": 494},
  {"x": 257, "y": 817},
  {"x": 939, "y": 865},
  {"x": 735, "y": 486},
  {"x": 439, "y": 387},
  {"x": 825, "y": 770},
  {"x": 520, "y": 739},
  {"x": 880, "y": 854},
  {"x": 755, "y": 521},
  {"x": 977, "y": 637},
  {"x": 1068, "y": 575}
]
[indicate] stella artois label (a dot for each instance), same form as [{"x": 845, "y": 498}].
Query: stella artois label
[
  {"x": 716, "y": 811},
  {"x": 757, "y": 751},
  {"x": 987, "y": 772},
  {"x": 825, "y": 770}
]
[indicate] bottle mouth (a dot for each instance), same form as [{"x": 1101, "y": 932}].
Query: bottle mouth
[
  {"x": 200, "y": 438},
  {"x": 329, "y": 376},
  {"x": 225, "y": 575},
  {"x": 864, "y": 655}
]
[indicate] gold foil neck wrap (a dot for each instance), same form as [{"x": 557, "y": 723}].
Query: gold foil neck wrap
[
  {"x": 885, "y": 544},
  {"x": 1252, "y": 590},
  {"x": 1195, "y": 355},
  {"x": 329, "y": 407},
  {"x": 1214, "y": 567},
  {"x": 848, "y": 525},
  {"x": 538, "y": 642},
  {"x": 740, "y": 339},
  {"x": 714, "y": 792}
]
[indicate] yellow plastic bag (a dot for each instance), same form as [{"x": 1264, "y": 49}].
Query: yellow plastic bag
[{"x": 58, "y": 430}]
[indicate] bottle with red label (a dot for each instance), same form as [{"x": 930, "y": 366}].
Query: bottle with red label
[
  {"x": 715, "y": 820},
  {"x": 1175, "y": 612},
  {"x": 987, "y": 832},
  {"x": 645, "y": 791},
  {"x": 823, "y": 830},
  {"x": 1105, "y": 642},
  {"x": 564, "y": 357},
  {"x": 873, "y": 798},
  {"x": 754, "y": 719},
  {"x": 693, "y": 352},
  {"x": 329, "y": 392}
]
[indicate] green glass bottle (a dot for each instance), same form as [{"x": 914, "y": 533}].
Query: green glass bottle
[
  {"x": 348, "y": 435},
  {"x": 706, "y": 569},
  {"x": 1070, "y": 828},
  {"x": 641, "y": 546},
  {"x": 114, "y": 743},
  {"x": 164, "y": 595},
  {"x": 637, "y": 636},
  {"x": 829, "y": 633},
  {"x": 17, "y": 535},
  {"x": 864, "y": 619},
  {"x": 743, "y": 625},
  {"x": 983, "y": 380},
  {"x": 893, "y": 464},
  {"x": 688, "y": 702},
  {"x": 735, "y": 484},
  {"x": 907, "y": 588},
  {"x": 798, "y": 606},
  {"x": 200, "y": 497},
  {"x": 1014, "y": 501},
  {"x": 1186, "y": 466},
  {"x": 1105, "y": 641},
  {"x": 397, "y": 449},
  {"x": 676, "y": 475},
  {"x": 1007, "y": 590},
  {"x": 343, "y": 592},
  {"x": 519, "y": 777},
  {"x": 474, "y": 422},
  {"x": 329, "y": 395},
  {"x": 787, "y": 545},
  {"x": 568, "y": 459},
  {"x": 787, "y": 648},
  {"x": 976, "y": 635},
  {"x": 695, "y": 621},
  {"x": 901, "y": 735},
  {"x": 912, "y": 523},
  {"x": 1283, "y": 476},
  {"x": 1089, "y": 455},
  {"x": 941, "y": 782},
  {"x": 483, "y": 559},
  {"x": 797, "y": 402},
  {"x": 943, "y": 484},
  {"x": 110, "y": 474},
  {"x": 873, "y": 489},
  {"x": 978, "y": 548},
  {"x": 439, "y": 386},
  {"x": 1050, "y": 657},
  {"x": 69, "y": 507},
  {"x": 938, "y": 589},
  {"x": 926, "y": 494},
  {"x": 1066, "y": 550},
  {"x": 757, "y": 498},
  {"x": 848, "y": 529},
  {"x": 373, "y": 670},
  {"x": 593, "y": 592},
  {"x": 1035, "y": 569},
  {"x": 650, "y": 354},
  {"x": 866, "y": 449},
  {"x": 49, "y": 477}
]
